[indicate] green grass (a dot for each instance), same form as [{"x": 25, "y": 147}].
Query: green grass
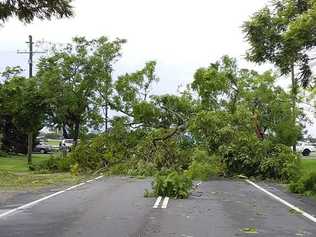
[
  {"x": 308, "y": 166},
  {"x": 52, "y": 142},
  {"x": 15, "y": 174},
  {"x": 18, "y": 163},
  {"x": 31, "y": 181}
]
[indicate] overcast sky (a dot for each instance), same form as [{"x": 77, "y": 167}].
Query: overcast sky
[{"x": 181, "y": 35}]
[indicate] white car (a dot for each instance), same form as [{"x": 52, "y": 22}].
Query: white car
[
  {"x": 305, "y": 148},
  {"x": 67, "y": 143}
]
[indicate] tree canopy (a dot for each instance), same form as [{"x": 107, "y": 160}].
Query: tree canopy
[
  {"x": 73, "y": 78},
  {"x": 27, "y": 10},
  {"x": 285, "y": 35}
]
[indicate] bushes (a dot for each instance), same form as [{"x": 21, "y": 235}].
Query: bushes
[
  {"x": 53, "y": 164},
  {"x": 305, "y": 185},
  {"x": 174, "y": 184}
]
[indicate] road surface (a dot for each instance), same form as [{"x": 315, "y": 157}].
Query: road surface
[{"x": 115, "y": 207}]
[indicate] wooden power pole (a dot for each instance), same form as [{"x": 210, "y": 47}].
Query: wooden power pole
[{"x": 30, "y": 61}]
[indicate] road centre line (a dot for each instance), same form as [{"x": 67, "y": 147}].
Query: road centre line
[
  {"x": 157, "y": 202},
  {"x": 165, "y": 203},
  {"x": 308, "y": 216},
  {"x": 28, "y": 205}
]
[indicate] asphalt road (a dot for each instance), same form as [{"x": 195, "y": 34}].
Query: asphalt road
[{"x": 115, "y": 207}]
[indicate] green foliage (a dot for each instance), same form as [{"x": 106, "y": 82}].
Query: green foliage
[
  {"x": 280, "y": 163},
  {"x": 90, "y": 156},
  {"x": 164, "y": 151},
  {"x": 55, "y": 163},
  {"x": 133, "y": 168},
  {"x": 74, "y": 79},
  {"x": 305, "y": 185},
  {"x": 174, "y": 184},
  {"x": 22, "y": 109},
  {"x": 280, "y": 34},
  {"x": 201, "y": 171},
  {"x": 249, "y": 156},
  {"x": 204, "y": 166},
  {"x": 27, "y": 10},
  {"x": 210, "y": 129}
]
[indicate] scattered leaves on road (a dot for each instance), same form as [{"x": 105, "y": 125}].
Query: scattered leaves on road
[{"x": 249, "y": 230}]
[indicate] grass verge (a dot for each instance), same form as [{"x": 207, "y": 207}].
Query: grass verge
[
  {"x": 31, "y": 181},
  {"x": 18, "y": 163},
  {"x": 15, "y": 174},
  {"x": 308, "y": 166}
]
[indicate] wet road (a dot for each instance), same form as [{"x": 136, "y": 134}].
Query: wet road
[{"x": 115, "y": 207}]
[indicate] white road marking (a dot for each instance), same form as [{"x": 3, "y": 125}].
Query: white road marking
[
  {"x": 76, "y": 186},
  {"x": 157, "y": 202},
  {"x": 309, "y": 216},
  {"x": 101, "y": 176},
  {"x": 165, "y": 203},
  {"x": 28, "y": 205}
]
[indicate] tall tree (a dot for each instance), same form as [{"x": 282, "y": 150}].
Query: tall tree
[
  {"x": 71, "y": 78},
  {"x": 106, "y": 54},
  {"x": 22, "y": 110},
  {"x": 285, "y": 35},
  {"x": 27, "y": 10}
]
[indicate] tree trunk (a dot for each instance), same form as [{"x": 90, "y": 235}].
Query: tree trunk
[
  {"x": 294, "y": 96},
  {"x": 258, "y": 129},
  {"x": 76, "y": 135},
  {"x": 65, "y": 133},
  {"x": 106, "y": 116},
  {"x": 29, "y": 147}
]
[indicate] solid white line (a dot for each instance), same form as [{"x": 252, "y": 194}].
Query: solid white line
[
  {"x": 165, "y": 203},
  {"x": 98, "y": 177},
  {"x": 73, "y": 187},
  {"x": 157, "y": 202},
  {"x": 28, "y": 205},
  {"x": 309, "y": 216}
]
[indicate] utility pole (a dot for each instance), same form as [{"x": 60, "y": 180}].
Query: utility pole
[{"x": 30, "y": 133}]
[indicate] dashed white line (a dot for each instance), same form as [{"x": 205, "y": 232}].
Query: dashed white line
[
  {"x": 28, "y": 205},
  {"x": 309, "y": 216},
  {"x": 157, "y": 202},
  {"x": 165, "y": 203}
]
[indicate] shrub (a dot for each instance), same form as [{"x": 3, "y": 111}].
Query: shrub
[
  {"x": 297, "y": 187},
  {"x": 174, "y": 184},
  {"x": 53, "y": 164},
  {"x": 305, "y": 185}
]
